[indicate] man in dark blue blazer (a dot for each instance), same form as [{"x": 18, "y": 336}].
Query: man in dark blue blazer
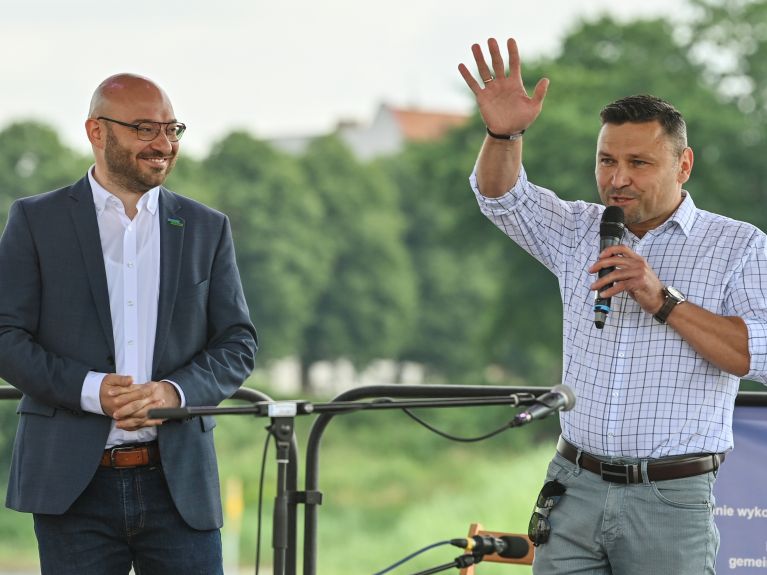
[{"x": 118, "y": 296}]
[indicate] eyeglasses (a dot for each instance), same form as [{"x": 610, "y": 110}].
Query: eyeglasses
[
  {"x": 148, "y": 131},
  {"x": 539, "y": 528}
]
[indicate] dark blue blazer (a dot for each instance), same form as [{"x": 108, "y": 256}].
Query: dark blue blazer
[{"x": 55, "y": 326}]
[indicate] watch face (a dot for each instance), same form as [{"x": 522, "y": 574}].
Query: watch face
[{"x": 674, "y": 293}]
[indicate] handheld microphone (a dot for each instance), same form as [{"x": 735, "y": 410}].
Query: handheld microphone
[
  {"x": 560, "y": 398},
  {"x": 611, "y": 231},
  {"x": 508, "y": 546}
]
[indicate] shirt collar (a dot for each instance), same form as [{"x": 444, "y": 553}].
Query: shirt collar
[
  {"x": 684, "y": 216},
  {"x": 101, "y": 196}
]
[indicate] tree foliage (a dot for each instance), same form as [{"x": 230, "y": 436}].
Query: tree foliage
[
  {"x": 366, "y": 306},
  {"x": 33, "y": 160},
  {"x": 282, "y": 250},
  {"x": 731, "y": 37}
]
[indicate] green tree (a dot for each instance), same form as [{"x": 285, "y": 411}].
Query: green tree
[
  {"x": 33, "y": 160},
  {"x": 731, "y": 36},
  {"x": 282, "y": 245},
  {"x": 455, "y": 253},
  {"x": 189, "y": 179},
  {"x": 366, "y": 307}
]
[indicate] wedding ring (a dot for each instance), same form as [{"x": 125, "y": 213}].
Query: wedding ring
[{"x": 490, "y": 79}]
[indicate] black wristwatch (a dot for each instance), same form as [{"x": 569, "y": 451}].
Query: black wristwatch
[{"x": 673, "y": 298}]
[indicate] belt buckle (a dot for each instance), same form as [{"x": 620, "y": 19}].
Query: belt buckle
[
  {"x": 113, "y": 453},
  {"x": 619, "y": 473}
]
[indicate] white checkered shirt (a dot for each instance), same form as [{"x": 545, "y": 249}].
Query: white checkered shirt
[{"x": 641, "y": 390}]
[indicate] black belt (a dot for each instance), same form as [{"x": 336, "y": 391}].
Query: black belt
[
  {"x": 657, "y": 470},
  {"x": 128, "y": 456}
]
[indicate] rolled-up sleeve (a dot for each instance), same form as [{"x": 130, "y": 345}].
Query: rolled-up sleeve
[
  {"x": 749, "y": 301},
  {"x": 757, "y": 348}
]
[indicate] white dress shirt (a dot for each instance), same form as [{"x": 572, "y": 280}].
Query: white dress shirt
[{"x": 131, "y": 250}]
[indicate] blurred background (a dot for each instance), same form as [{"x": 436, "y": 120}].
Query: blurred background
[{"x": 339, "y": 137}]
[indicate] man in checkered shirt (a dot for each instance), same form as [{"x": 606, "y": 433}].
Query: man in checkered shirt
[{"x": 639, "y": 453}]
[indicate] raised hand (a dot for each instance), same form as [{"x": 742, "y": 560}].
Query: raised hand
[{"x": 503, "y": 101}]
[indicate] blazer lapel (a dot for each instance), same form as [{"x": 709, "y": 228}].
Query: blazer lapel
[
  {"x": 171, "y": 247},
  {"x": 83, "y": 213}
]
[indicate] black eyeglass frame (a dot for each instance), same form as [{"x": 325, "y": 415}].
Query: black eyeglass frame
[{"x": 156, "y": 128}]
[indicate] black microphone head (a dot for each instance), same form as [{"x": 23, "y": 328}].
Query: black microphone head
[
  {"x": 516, "y": 547},
  {"x": 614, "y": 214},
  {"x": 613, "y": 222},
  {"x": 568, "y": 394}
]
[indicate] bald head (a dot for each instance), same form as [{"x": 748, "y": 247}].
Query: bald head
[
  {"x": 120, "y": 91},
  {"x": 130, "y": 162}
]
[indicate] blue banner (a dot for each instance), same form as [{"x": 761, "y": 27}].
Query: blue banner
[{"x": 741, "y": 497}]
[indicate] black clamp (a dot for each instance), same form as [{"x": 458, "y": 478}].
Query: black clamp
[{"x": 305, "y": 497}]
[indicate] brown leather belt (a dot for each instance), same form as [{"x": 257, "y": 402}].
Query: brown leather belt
[
  {"x": 657, "y": 470},
  {"x": 127, "y": 456}
]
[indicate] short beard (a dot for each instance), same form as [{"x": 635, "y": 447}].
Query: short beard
[{"x": 124, "y": 170}]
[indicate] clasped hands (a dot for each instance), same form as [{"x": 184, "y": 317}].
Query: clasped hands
[{"x": 129, "y": 404}]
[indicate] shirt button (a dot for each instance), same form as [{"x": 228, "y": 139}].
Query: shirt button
[
  {"x": 621, "y": 354},
  {"x": 615, "y": 394},
  {"x": 611, "y": 434},
  {"x": 129, "y": 264},
  {"x": 130, "y": 303},
  {"x": 130, "y": 342}
]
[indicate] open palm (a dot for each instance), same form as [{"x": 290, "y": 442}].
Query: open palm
[{"x": 503, "y": 101}]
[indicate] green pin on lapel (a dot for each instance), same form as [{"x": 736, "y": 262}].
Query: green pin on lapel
[{"x": 176, "y": 222}]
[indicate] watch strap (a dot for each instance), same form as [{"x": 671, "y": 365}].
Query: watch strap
[{"x": 668, "y": 305}]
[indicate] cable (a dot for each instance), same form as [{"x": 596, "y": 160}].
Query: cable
[
  {"x": 409, "y": 557},
  {"x": 261, "y": 500},
  {"x": 454, "y": 437}
]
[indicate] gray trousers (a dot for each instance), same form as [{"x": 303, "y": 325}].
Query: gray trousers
[{"x": 651, "y": 528}]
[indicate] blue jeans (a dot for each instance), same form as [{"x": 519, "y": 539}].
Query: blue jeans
[
  {"x": 125, "y": 518},
  {"x": 651, "y": 528}
]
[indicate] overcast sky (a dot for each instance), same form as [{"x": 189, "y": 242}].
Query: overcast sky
[{"x": 276, "y": 67}]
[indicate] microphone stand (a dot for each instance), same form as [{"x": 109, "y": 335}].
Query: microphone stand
[
  {"x": 282, "y": 431},
  {"x": 459, "y": 563},
  {"x": 283, "y": 416}
]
